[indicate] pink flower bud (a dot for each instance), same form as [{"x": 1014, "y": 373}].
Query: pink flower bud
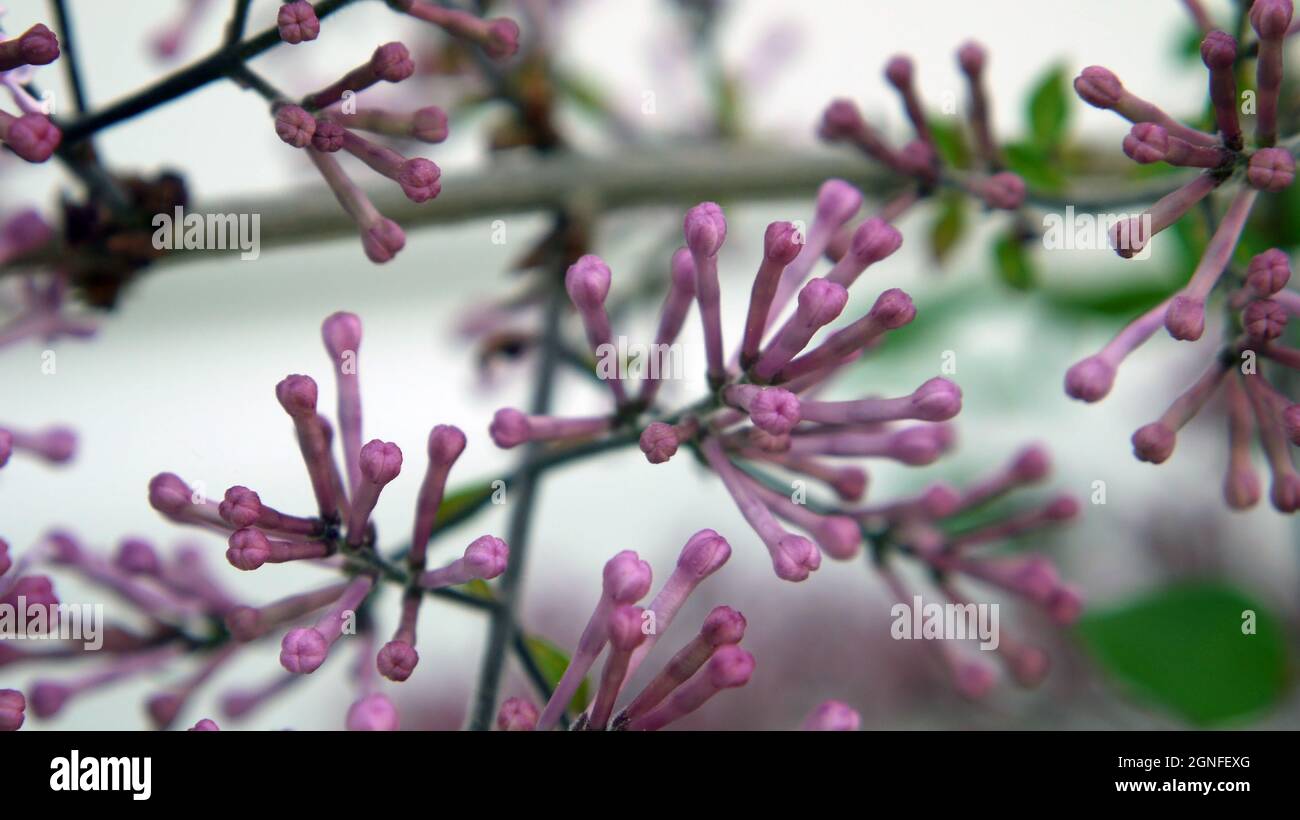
[
  {"x": 517, "y": 715},
  {"x": 302, "y": 651},
  {"x": 1154, "y": 443},
  {"x": 1271, "y": 169},
  {"x": 328, "y": 136},
  {"x": 297, "y": 22},
  {"x": 373, "y": 713},
  {"x": 1098, "y": 87},
  {"x": 1268, "y": 272},
  {"x": 294, "y": 126},
  {"x": 1090, "y": 380},
  {"x": 397, "y": 660},
  {"x": 12, "y": 704},
  {"x": 206, "y": 725},
  {"x": 1264, "y": 320},
  {"x": 833, "y": 716},
  {"x": 381, "y": 461},
  {"x": 31, "y": 136}
]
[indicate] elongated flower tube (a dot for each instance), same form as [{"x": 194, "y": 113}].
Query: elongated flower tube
[
  {"x": 48, "y": 698},
  {"x": 672, "y": 316},
  {"x": 31, "y": 136},
  {"x": 1241, "y": 488},
  {"x": 587, "y": 283},
  {"x": 517, "y": 715},
  {"x": 248, "y": 623},
  {"x": 832, "y": 716},
  {"x": 729, "y": 667},
  {"x": 1185, "y": 318},
  {"x": 56, "y": 445},
  {"x": 428, "y": 124},
  {"x": 510, "y": 428},
  {"x": 782, "y": 243},
  {"x": 820, "y": 302},
  {"x": 297, "y": 395},
  {"x": 341, "y": 333},
  {"x": 899, "y": 72},
  {"x": 1129, "y": 237},
  {"x": 35, "y": 46},
  {"x": 1059, "y": 509},
  {"x": 704, "y": 554},
  {"x": 297, "y": 22},
  {"x": 1154, "y": 442},
  {"x": 917, "y": 445},
  {"x": 626, "y": 580},
  {"x": 381, "y": 238},
  {"x": 1147, "y": 143},
  {"x": 971, "y": 59},
  {"x": 848, "y": 482},
  {"x": 1219, "y": 53},
  {"x": 241, "y": 702},
  {"x": 65, "y": 551},
  {"x": 837, "y": 202},
  {"x": 484, "y": 559},
  {"x": 659, "y": 441},
  {"x": 793, "y": 556},
  {"x": 1284, "y": 491},
  {"x": 304, "y": 650},
  {"x": 445, "y": 445},
  {"x": 418, "y": 178},
  {"x": 1271, "y": 19},
  {"x": 772, "y": 409},
  {"x": 498, "y": 37},
  {"x": 892, "y": 310},
  {"x": 380, "y": 463},
  {"x": 390, "y": 63},
  {"x": 936, "y": 400},
  {"x": 1092, "y": 378},
  {"x": 843, "y": 122},
  {"x": 836, "y": 535},
  {"x": 165, "y": 707},
  {"x": 243, "y": 507},
  {"x": 172, "y": 497},
  {"x": 12, "y": 706},
  {"x": 250, "y": 549},
  {"x": 1029, "y": 466},
  {"x": 626, "y": 634},
  {"x": 724, "y": 626},
  {"x": 873, "y": 240},
  {"x": 172, "y": 38},
  {"x": 705, "y": 229},
  {"x": 1100, "y": 88}
]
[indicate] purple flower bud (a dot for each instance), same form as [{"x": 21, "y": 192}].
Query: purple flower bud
[
  {"x": 587, "y": 282},
  {"x": 820, "y": 302},
  {"x": 1146, "y": 143},
  {"x": 704, "y": 554},
  {"x": 1219, "y": 50},
  {"x": 1031, "y": 464},
  {"x": 429, "y": 124},
  {"x": 36, "y": 46},
  {"x": 1271, "y": 18},
  {"x": 6, "y": 446},
  {"x": 705, "y": 228},
  {"x": 302, "y": 651},
  {"x": 772, "y": 409},
  {"x": 499, "y": 37},
  {"x": 297, "y": 395},
  {"x": 509, "y": 428},
  {"x": 328, "y": 136},
  {"x": 517, "y": 715},
  {"x": 207, "y": 725},
  {"x": 1185, "y": 319},
  {"x": 971, "y": 57},
  {"x": 1098, "y": 87},
  {"x": 1271, "y": 169},
  {"x": 297, "y": 22},
  {"x": 1154, "y": 443},
  {"x": 420, "y": 179},
  {"x": 380, "y": 461},
  {"x": 626, "y": 578},
  {"x": 383, "y": 241},
  {"x": 659, "y": 442},
  {"x": 1268, "y": 272},
  {"x": 12, "y": 705},
  {"x": 392, "y": 63},
  {"x": 372, "y": 713},
  {"x": 782, "y": 242},
  {"x": 723, "y": 626},
  {"x": 48, "y": 698},
  {"x": 1264, "y": 320},
  {"x": 729, "y": 667},
  {"x": 397, "y": 660},
  {"x": 833, "y": 716},
  {"x": 294, "y": 126},
  {"x": 31, "y": 136},
  {"x": 1004, "y": 191}
]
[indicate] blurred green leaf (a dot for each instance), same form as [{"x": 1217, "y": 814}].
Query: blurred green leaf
[
  {"x": 1014, "y": 266},
  {"x": 1049, "y": 109},
  {"x": 1183, "y": 648},
  {"x": 948, "y": 226},
  {"x": 552, "y": 661},
  {"x": 461, "y": 501},
  {"x": 950, "y": 141},
  {"x": 1034, "y": 166},
  {"x": 480, "y": 589},
  {"x": 1125, "y": 301}
]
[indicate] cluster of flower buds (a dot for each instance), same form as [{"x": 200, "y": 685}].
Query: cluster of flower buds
[
  {"x": 340, "y": 534},
  {"x": 179, "y": 602},
  {"x": 763, "y": 407},
  {"x": 920, "y": 160},
  {"x": 39, "y": 309},
  {"x": 710, "y": 662},
  {"x": 936, "y": 527},
  {"x": 30, "y": 134},
  {"x": 1257, "y": 301},
  {"x": 328, "y": 121}
]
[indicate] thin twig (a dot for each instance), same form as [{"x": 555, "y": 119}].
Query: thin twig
[{"x": 71, "y": 65}]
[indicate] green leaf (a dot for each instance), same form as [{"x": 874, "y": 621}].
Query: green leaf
[
  {"x": 948, "y": 226},
  {"x": 1049, "y": 109},
  {"x": 1034, "y": 166},
  {"x": 1014, "y": 267},
  {"x": 462, "y": 501},
  {"x": 1185, "y": 648},
  {"x": 950, "y": 141},
  {"x": 552, "y": 661},
  {"x": 480, "y": 589}
]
